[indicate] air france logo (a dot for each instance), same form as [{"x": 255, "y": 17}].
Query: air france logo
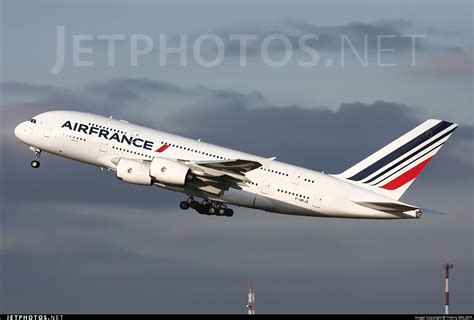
[{"x": 106, "y": 134}]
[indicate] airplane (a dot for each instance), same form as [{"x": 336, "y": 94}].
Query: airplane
[{"x": 222, "y": 177}]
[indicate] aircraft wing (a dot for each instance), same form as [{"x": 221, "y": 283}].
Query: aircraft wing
[
  {"x": 212, "y": 176},
  {"x": 233, "y": 169},
  {"x": 216, "y": 176},
  {"x": 236, "y": 165}
]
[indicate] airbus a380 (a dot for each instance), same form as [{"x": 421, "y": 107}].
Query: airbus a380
[{"x": 221, "y": 177}]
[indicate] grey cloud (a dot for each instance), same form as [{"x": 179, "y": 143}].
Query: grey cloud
[
  {"x": 313, "y": 137},
  {"x": 23, "y": 88},
  {"x": 316, "y": 138},
  {"x": 407, "y": 26},
  {"x": 330, "y": 37},
  {"x": 180, "y": 254},
  {"x": 139, "y": 89},
  {"x": 96, "y": 245},
  {"x": 447, "y": 64},
  {"x": 320, "y": 139},
  {"x": 124, "y": 90}
]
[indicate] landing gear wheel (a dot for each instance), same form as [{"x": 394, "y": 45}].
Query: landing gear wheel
[
  {"x": 229, "y": 212},
  {"x": 211, "y": 210},
  {"x": 221, "y": 211},
  {"x": 184, "y": 205},
  {"x": 35, "y": 164},
  {"x": 202, "y": 209},
  {"x": 194, "y": 204}
]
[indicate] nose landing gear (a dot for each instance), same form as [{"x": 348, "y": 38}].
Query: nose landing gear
[{"x": 36, "y": 162}]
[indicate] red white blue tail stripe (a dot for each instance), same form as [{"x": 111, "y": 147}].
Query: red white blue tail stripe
[{"x": 395, "y": 166}]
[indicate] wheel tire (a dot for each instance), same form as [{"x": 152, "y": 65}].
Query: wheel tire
[
  {"x": 211, "y": 210},
  {"x": 229, "y": 212},
  {"x": 202, "y": 209},
  {"x": 35, "y": 164},
  {"x": 220, "y": 211},
  {"x": 199, "y": 209},
  {"x": 184, "y": 205},
  {"x": 194, "y": 204}
]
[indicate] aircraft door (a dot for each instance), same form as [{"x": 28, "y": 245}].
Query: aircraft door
[
  {"x": 104, "y": 145},
  {"x": 265, "y": 187},
  {"x": 296, "y": 177},
  {"x": 47, "y": 131},
  {"x": 317, "y": 201}
]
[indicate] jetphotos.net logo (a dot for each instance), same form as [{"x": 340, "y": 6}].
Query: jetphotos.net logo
[
  {"x": 33, "y": 317},
  {"x": 211, "y": 50}
]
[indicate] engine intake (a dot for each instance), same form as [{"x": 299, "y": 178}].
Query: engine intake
[
  {"x": 170, "y": 172},
  {"x": 133, "y": 171}
]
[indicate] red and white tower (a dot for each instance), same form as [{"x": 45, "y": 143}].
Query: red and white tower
[
  {"x": 446, "y": 268},
  {"x": 251, "y": 300}
]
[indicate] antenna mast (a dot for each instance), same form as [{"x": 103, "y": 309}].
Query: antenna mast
[
  {"x": 251, "y": 300},
  {"x": 446, "y": 268}
]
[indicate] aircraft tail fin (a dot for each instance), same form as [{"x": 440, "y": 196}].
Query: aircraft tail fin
[{"x": 394, "y": 167}]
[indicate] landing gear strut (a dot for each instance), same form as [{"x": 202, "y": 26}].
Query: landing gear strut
[
  {"x": 36, "y": 162},
  {"x": 207, "y": 207}
]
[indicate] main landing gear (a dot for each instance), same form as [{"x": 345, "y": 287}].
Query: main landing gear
[
  {"x": 207, "y": 207},
  {"x": 36, "y": 161}
]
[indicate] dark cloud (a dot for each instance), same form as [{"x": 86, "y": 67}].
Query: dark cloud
[
  {"x": 317, "y": 138},
  {"x": 321, "y": 139},
  {"x": 74, "y": 239},
  {"x": 125, "y": 90},
  {"x": 360, "y": 34}
]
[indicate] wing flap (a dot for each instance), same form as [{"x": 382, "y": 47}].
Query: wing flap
[
  {"x": 236, "y": 165},
  {"x": 233, "y": 169}
]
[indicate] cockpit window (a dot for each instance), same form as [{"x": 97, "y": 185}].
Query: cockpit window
[{"x": 33, "y": 120}]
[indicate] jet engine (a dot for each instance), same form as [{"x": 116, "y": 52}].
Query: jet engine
[
  {"x": 170, "y": 172},
  {"x": 134, "y": 171}
]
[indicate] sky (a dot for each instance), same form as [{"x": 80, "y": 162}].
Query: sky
[{"x": 73, "y": 239}]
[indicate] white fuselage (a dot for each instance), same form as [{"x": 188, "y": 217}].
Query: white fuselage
[{"x": 274, "y": 187}]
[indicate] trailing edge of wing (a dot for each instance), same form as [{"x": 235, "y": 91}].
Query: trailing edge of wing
[
  {"x": 234, "y": 169},
  {"x": 237, "y": 165}
]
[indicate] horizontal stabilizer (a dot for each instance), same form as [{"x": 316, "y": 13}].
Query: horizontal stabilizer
[{"x": 388, "y": 206}]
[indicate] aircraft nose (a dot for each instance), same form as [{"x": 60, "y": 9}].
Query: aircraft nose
[{"x": 19, "y": 131}]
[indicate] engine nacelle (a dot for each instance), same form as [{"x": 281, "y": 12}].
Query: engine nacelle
[
  {"x": 169, "y": 172},
  {"x": 133, "y": 171}
]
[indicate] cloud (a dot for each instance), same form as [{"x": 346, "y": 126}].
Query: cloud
[
  {"x": 159, "y": 259},
  {"x": 68, "y": 227},
  {"x": 23, "y": 88},
  {"x": 449, "y": 64},
  {"x": 361, "y": 35},
  {"x": 312, "y": 137},
  {"x": 396, "y": 34}
]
